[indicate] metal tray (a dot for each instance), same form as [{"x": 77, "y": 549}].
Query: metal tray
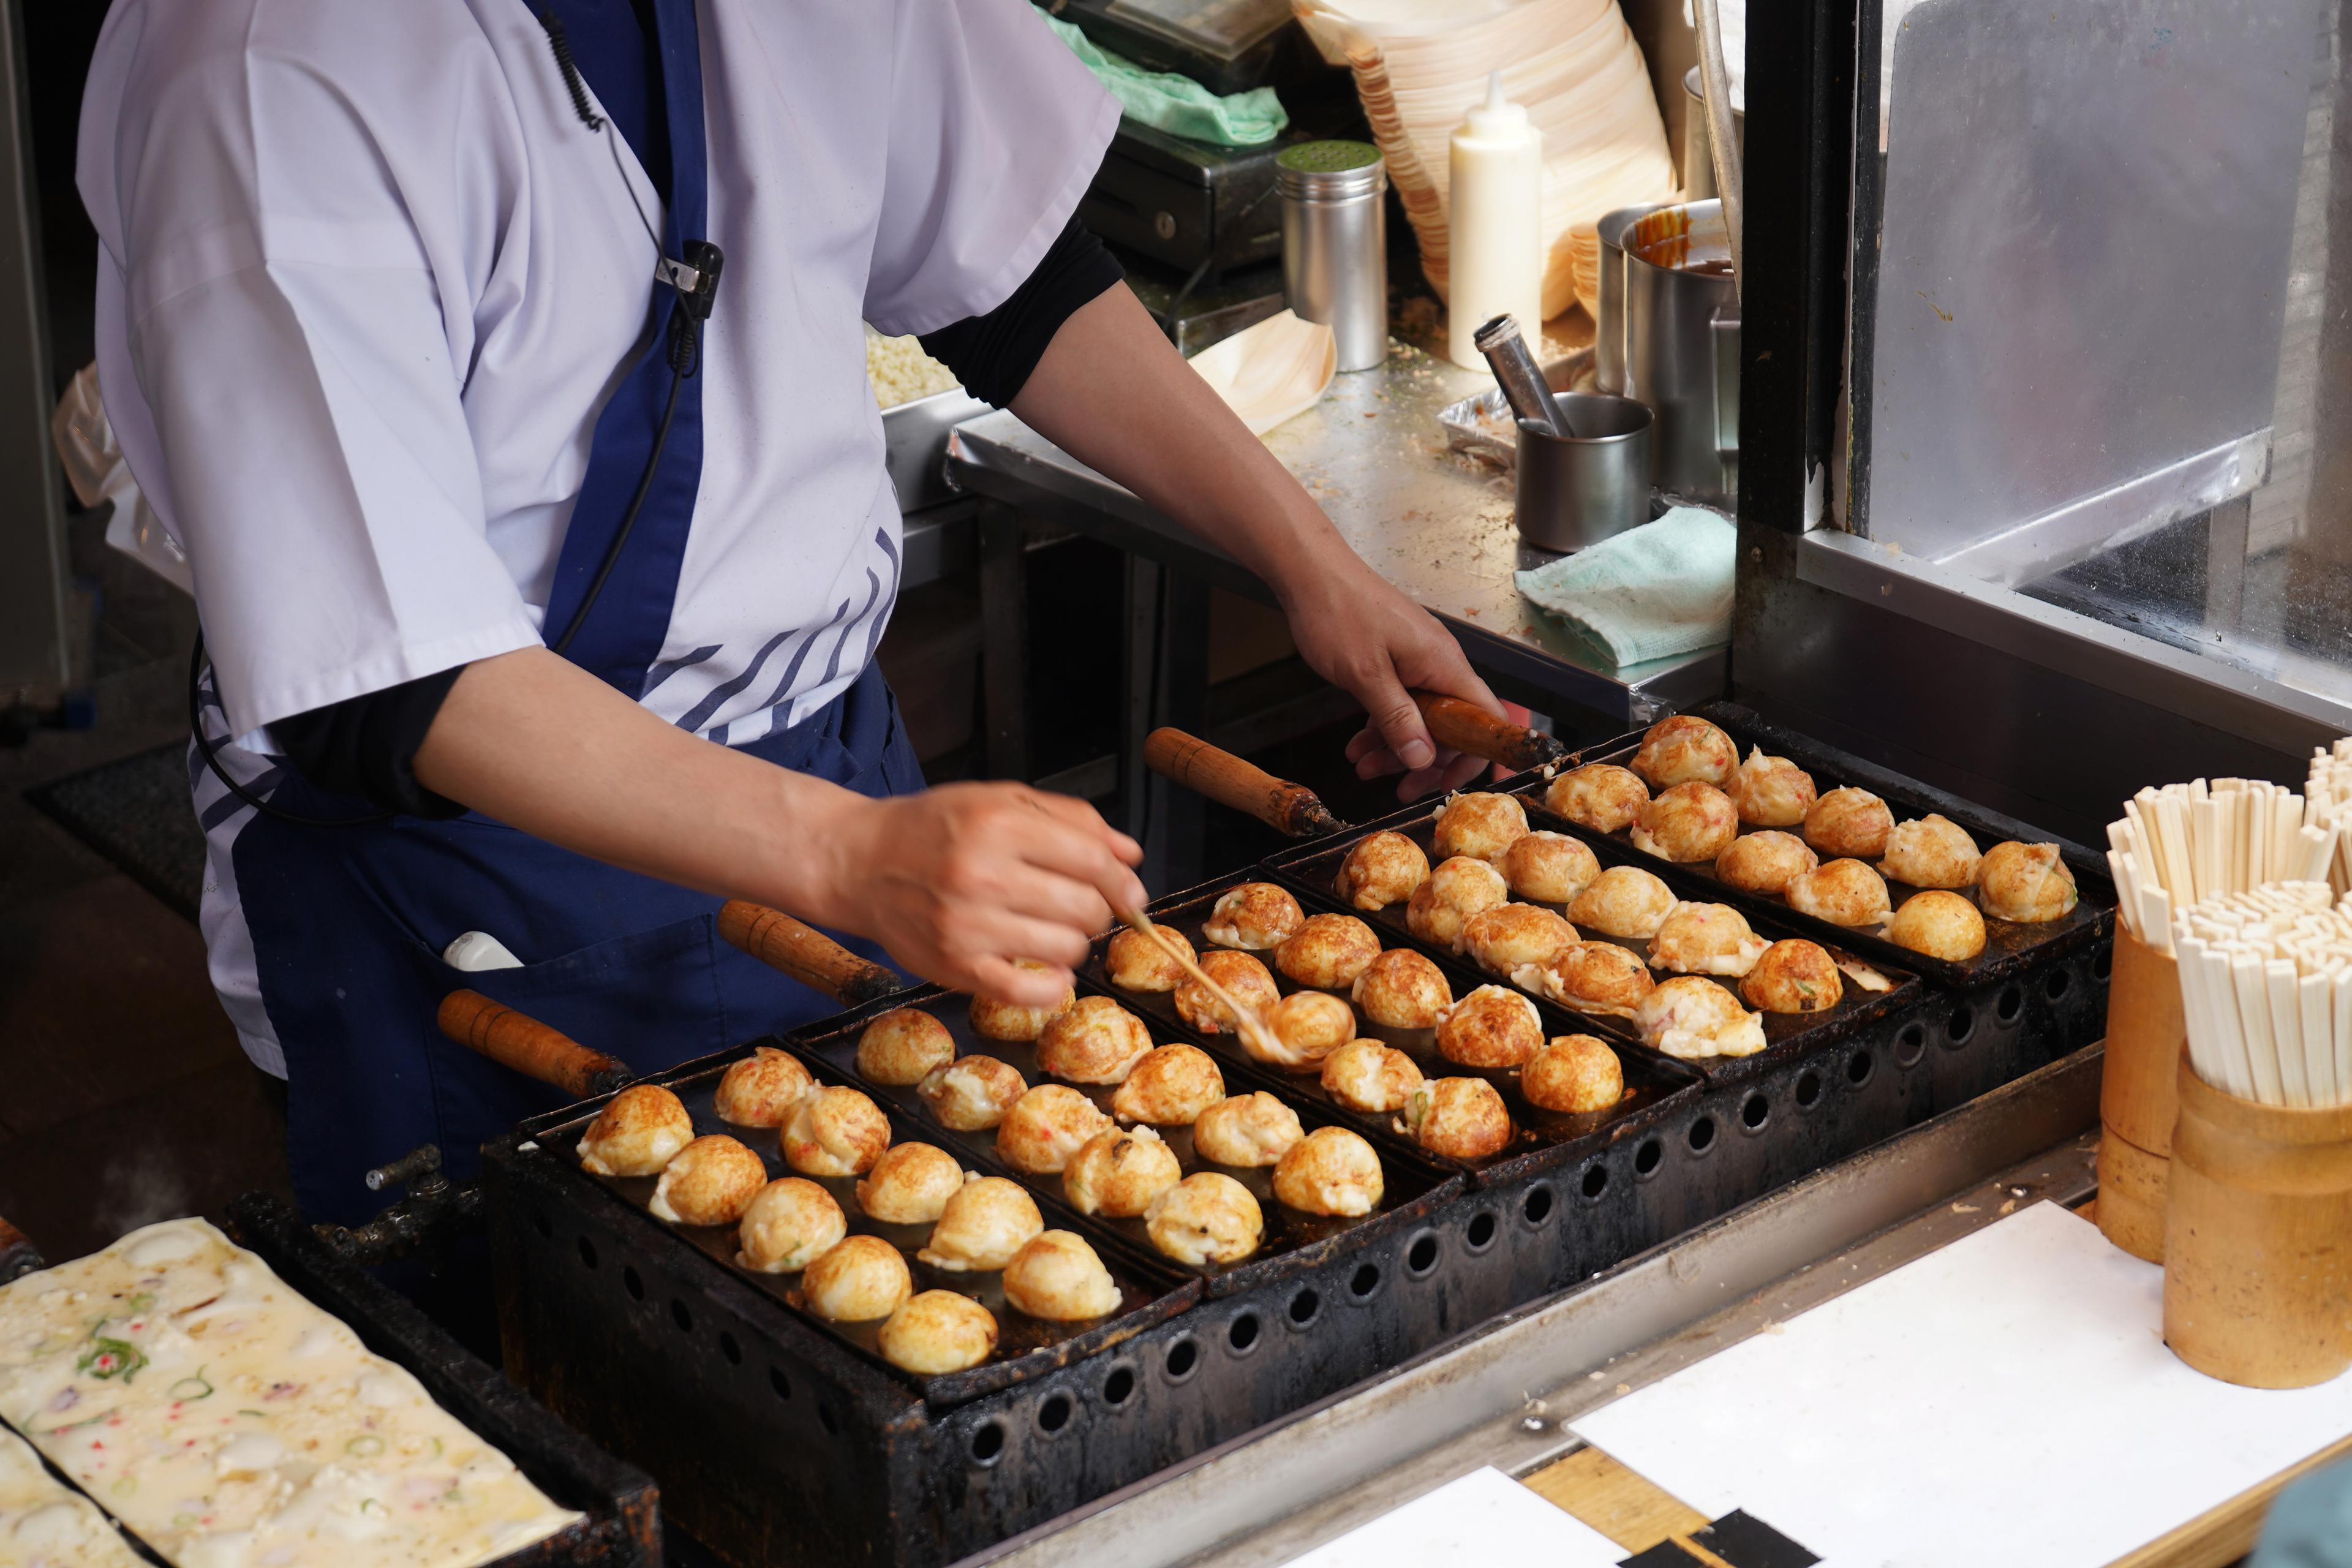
[
  {"x": 1482, "y": 425},
  {"x": 1413, "y": 1186},
  {"x": 1149, "y": 1292},
  {"x": 915, "y": 445}
]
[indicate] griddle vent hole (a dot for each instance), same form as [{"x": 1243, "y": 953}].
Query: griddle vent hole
[
  {"x": 587, "y": 1253},
  {"x": 2102, "y": 964},
  {"x": 1364, "y": 1281},
  {"x": 1538, "y": 1207},
  {"x": 1754, "y": 1111},
  {"x": 2011, "y": 1000},
  {"x": 2055, "y": 986},
  {"x": 1702, "y": 1134},
  {"x": 1054, "y": 1414},
  {"x": 1596, "y": 1180},
  {"x": 1809, "y": 1087},
  {"x": 729, "y": 1349},
  {"x": 1306, "y": 1307},
  {"x": 831, "y": 1423},
  {"x": 1857, "y": 1068},
  {"x": 680, "y": 1316},
  {"x": 1183, "y": 1358},
  {"x": 1421, "y": 1255},
  {"x": 1242, "y": 1332},
  {"x": 1960, "y": 1025},
  {"x": 631, "y": 1283},
  {"x": 1910, "y": 1044},
  {"x": 778, "y": 1383},
  {"x": 545, "y": 1226},
  {"x": 1120, "y": 1387},
  {"x": 1480, "y": 1232},
  {"x": 988, "y": 1442},
  {"x": 1648, "y": 1157}
]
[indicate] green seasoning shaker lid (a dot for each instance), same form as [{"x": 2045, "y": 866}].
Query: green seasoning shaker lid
[{"x": 1331, "y": 170}]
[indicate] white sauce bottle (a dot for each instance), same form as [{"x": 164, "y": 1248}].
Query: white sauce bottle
[{"x": 1496, "y": 239}]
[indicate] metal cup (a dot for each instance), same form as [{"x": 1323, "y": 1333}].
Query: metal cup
[{"x": 1575, "y": 490}]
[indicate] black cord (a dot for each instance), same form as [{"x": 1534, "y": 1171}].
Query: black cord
[
  {"x": 677, "y": 374},
  {"x": 560, "y": 47},
  {"x": 209, "y": 751}
]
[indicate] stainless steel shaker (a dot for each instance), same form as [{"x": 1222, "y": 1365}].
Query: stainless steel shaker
[{"x": 1334, "y": 265}]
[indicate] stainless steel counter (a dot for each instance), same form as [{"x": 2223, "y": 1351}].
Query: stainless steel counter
[{"x": 1436, "y": 524}]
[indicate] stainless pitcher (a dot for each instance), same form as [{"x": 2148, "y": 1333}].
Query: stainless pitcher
[{"x": 1679, "y": 328}]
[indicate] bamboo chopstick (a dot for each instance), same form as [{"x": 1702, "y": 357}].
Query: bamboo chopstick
[
  {"x": 2266, "y": 989},
  {"x": 1256, "y": 1029},
  {"x": 2185, "y": 844}
]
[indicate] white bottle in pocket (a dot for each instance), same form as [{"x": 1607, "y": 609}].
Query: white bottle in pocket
[
  {"x": 1495, "y": 225},
  {"x": 476, "y": 951}
]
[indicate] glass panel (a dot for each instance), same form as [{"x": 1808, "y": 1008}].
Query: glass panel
[{"x": 2102, "y": 328}]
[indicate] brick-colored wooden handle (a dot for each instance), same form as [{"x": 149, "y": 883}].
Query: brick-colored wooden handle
[
  {"x": 1466, "y": 727},
  {"x": 532, "y": 1048},
  {"x": 1287, "y": 808},
  {"x": 804, "y": 953}
]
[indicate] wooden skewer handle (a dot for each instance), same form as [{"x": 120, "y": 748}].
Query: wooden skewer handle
[
  {"x": 18, "y": 1256},
  {"x": 1466, "y": 727},
  {"x": 531, "y": 1047},
  {"x": 1287, "y": 808},
  {"x": 804, "y": 953}
]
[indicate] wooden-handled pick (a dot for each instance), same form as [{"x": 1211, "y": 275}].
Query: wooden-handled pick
[
  {"x": 804, "y": 953},
  {"x": 531, "y": 1047},
  {"x": 1466, "y": 727},
  {"x": 1255, "y": 1030},
  {"x": 1287, "y": 808}
]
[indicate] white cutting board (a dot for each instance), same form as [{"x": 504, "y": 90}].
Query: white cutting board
[
  {"x": 2008, "y": 1399},
  {"x": 1481, "y": 1520}
]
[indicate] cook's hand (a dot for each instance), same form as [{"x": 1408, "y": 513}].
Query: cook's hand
[
  {"x": 960, "y": 881},
  {"x": 1360, "y": 633}
]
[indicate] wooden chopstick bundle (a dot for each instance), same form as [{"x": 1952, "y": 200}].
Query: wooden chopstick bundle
[
  {"x": 2183, "y": 844},
  {"x": 2328, "y": 788},
  {"x": 2266, "y": 990}
]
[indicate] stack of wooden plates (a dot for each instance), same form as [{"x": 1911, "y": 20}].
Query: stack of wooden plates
[{"x": 1420, "y": 63}]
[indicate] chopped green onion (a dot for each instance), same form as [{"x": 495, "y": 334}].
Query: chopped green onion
[
  {"x": 192, "y": 1388},
  {"x": 111, "y": 1358},
  {"x": 366, "y": 1445}
]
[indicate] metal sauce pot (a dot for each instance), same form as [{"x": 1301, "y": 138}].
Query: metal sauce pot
[{"x": 1682, "y": 346}]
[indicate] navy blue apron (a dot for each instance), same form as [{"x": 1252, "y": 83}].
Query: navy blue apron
[{"x": 347, "y": 923}]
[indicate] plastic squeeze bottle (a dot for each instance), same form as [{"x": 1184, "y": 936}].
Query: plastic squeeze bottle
[{"x": 1495, "y": 242}]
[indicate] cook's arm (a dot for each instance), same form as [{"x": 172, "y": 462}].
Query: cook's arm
[
  {"x": 956, "y": 882},
  {"x": 1113, "y": 392}
]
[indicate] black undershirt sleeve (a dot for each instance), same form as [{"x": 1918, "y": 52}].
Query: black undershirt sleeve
[
  {"x": 993, "y": 354},
  {"x": 366, "y": 745}
]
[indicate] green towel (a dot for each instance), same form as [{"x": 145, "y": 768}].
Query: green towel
[
  {"x": 1659, "y": 589},
  {"x": 1178, "y": 104}
]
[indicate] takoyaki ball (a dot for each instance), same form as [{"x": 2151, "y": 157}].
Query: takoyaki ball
[
  {"x": 1245, "y": 980},
  {"x": 1135, "y": 963},
  {"x": 1573, "y": 1073},
  {"x": 1481, "y": 825},
  {"x": 1681, "y": 749},
  {"x": 1255, "y": 915},
  {"x": 1844, "y": 892},
  {"x": 1402, "y": 990},
  {"x": 1385, "y": 869},
  {"x": 1510, "y": 936},
  {"x": 1771, "y": 792},
  {"x": 993, "y": 1020},
  {"x": 1460, "y": 1118},
  {"x": 1623, "y": 901},
  {"x": 985, "y": 1222},
  {"x": 2025, "y": 882},
  {"x": 1459, "y": 889},
  {"x": 1600, "y": 795},
  {"x": 1169, "y": 1088},
  {"x": 1550, "y": 868},
  {"x": 938, "y": 1332},
  {"x": 1491, "y": 1028},
  {"x": 1687, "y": 1017},
  {"x": 1328, "y": 951},
  {"x": 1096, "y": 1040},
  {"x": 1594, "y": 974},
  {"x": 1931, "y": 852},
  {"x": 1207, "y": 1217},
  {"x": 1331, "y": 1171},
  {"x": 902, "y": 1045},
  {"x": 711, "y": 1181},
  {"x": 1366, "y": 1075},
  {"x": 1940, "y": 925},
  {"x": 1308, "y": 1026},
  {"x": 972, "y": 1094},
  {"x": 834, "y": 1132},
  {"x": 1118, "y": 1173},
  {"x": 1690, "y": 821},
  {"x": 790, "y": 1225},
  {"x": 1795, "y": 976},
  {"x": 910, "y": 1184},
  {"x": 1848, "y": 824},
  {"x": 1056, "y": 1277},
  {"x": 1046, "y": 1127},
  {"x": 1765, "y": 862},
  {"x": 860, "y": 1279},
  {"x": 758, "y": 1090},
  {"x": 1247, "y": 1129},
  {"x": 639, "y": 1131},
  {"x": 1707, "y": 939}
]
